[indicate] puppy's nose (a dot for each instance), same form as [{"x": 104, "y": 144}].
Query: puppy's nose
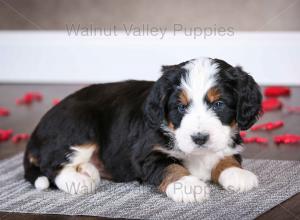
[{"x": 200, "y": 138}]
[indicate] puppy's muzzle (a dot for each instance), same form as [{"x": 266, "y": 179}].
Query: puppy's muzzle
[{"x": 200, "y": 138}]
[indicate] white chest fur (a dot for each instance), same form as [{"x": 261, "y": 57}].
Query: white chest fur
[
  {"x": 201, "y": 162},
  {"x": 201, "y": 165}
]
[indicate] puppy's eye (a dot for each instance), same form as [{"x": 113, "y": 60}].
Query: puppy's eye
[
  {"x": 218, "y": 105},
  {"x": 181, "y": 108}
]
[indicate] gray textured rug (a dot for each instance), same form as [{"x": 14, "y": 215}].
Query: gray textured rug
[{"x": 279, "y": 180}]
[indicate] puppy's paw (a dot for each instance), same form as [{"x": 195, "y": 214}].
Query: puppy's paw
[
  {"x": 188, "y": 189},
  {"x": 237, "y": 179},
  {"x": 82, "y": 180},
  {"x": 89, "y": 170}
]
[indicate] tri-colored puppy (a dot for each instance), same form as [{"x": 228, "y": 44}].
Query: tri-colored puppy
[{"x": 176, "y": 133}]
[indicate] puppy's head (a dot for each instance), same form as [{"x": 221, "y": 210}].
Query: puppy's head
[{"x": 202, "y": 104}]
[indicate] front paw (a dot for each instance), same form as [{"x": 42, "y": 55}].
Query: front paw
[
  {"x": 188, "y": 189},
  {"x": 237, "y": 179}
]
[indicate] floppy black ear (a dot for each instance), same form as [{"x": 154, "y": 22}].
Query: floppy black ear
[
  {"x": 156, "y": 102},
  {"x": 249, "y": 100}
]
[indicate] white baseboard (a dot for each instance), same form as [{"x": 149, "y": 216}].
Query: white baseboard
[{"x": 56, "y": 57}]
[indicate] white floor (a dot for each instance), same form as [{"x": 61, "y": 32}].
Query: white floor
[{"x": 272, "y": 58}]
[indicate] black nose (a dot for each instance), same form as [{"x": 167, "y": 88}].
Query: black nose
[{"x": 200, "y": 138}]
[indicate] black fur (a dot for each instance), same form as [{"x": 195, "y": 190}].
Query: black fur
[
  {"x": 124, "y": 119},
  {"x": 245, "y": 95},
  {"x": 156, "y": 107},
  {"x": 111, "y": 115}
]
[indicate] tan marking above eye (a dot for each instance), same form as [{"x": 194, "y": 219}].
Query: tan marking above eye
[
  {"x": 213, "y": 95},
  {"x": 183, "y": 97}
]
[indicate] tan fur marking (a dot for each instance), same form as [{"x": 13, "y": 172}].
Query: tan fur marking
[
  {"x": 233, "y": 124},
  {"x": 223, "y": 164},
  {"x": 95, "y": 160},
  {"x": 183, "y": 98},
  {"x": 171, "y": 174},
  {"x": 213, "y": 94},
  {"x": 78, "y": 168},
  {"x": 33, "y": 160},
  {"x": 171, "y": 125},
  {"x": 88, "y": 145},
  {"x": 98, "y": 163}
]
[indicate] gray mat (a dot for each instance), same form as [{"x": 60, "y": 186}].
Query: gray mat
[{"x": 279, "y": 180}]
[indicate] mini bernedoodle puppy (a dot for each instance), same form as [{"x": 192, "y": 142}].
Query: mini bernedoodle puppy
[{"x": 177, "y": 133}]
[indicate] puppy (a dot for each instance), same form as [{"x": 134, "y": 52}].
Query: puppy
[{"x": 176, "y": 133}]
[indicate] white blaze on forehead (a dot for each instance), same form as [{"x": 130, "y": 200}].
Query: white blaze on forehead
[{"x": 200, "y": 78}]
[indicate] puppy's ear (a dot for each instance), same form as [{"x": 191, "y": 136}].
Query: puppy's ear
[
  {"x": 156, "y": 102},
  {"x": 177, "y": 68},
  {"x": 249, "y": 99}
]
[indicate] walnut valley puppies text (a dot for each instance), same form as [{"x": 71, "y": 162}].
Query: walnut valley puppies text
[{"x": 146, "y": 30}]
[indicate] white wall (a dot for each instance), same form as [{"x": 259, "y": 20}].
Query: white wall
[{"x": 272, "y": 58}]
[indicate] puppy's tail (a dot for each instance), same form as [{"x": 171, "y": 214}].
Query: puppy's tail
[{"x": 33, "y": 173}]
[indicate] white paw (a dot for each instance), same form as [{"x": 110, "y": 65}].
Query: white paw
[
  {"x": 90, "y": 170},
  {"x": 41, "y": 183},
  {"x": 238, "y": 180},
  {"x": 81, "y": 181},
  {"x": 188, "y": 189}
]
